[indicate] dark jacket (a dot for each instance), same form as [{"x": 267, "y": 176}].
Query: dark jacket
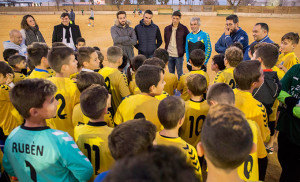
[
  {"x": 149, "y": 38},
  {"x": 72, "y": 16},
  {"x": 181, "y": 33},
  {"x": 124, "y": 37},
  {"x": 57, "y": 35},
  {"x": 269, "y": 90},
  {"x": 33, "y": 34}
]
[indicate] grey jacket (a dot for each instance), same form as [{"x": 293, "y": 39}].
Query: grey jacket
[
  {"x": 124, "y": 37},
  {"x": 21, "y": 48}
]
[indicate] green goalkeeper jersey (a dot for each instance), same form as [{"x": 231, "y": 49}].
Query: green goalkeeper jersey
[{"x": 44, "y": 154}]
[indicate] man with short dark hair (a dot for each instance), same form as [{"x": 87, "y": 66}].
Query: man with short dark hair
[
  {"x": 232, "y": 33},
  {"x": 66, "y": 32},
  {"x": 260, "y": 34},
  {"x": 174, "y": 36},
  {"x": 123, "y": 35},
  {"x": 148, "y": 35}
]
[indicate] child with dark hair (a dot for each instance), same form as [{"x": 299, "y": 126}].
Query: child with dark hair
[
  {"x": 88, "y": 59},
  {"x": 217, "y": 63},
  {"x": 135, "y": 63},
  {"x": 80, "y": 42},
  {"x": 125, "y": 60},
  {"x": 17, "y": 62},
  {"x": 9, "y": 52}
]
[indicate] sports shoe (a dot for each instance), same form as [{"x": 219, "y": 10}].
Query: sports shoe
[{"x": 89, "y": 24}]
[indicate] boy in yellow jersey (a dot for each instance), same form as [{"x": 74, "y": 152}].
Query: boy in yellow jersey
[
  {"x": 217, "y": 63},
  {"x": 288, "y": 58},
  {"x": 171, "y": 115},
  {"x": 226, "y": 142},
  {"x": 63, "y": 62},
  {"x": 88, "y": 59},
  {"x": 17, "y": 62},
  {"x": 92, "y": 138},
  {"x": 7, "y": 121},
  {"x": 195, "y": 110},
  {"x": 197, "y": 58},
  {"x": 84, "y": 80},
  {"x": 221, "y": 93},
  {"x": 37, "y": 54},
  {"x": 143, "y": 105},
  {"x": 115, "y": 81},
  {"x": 130, "y": 139},
  {"x": 233, "y": 56},
  {"x": 136, "y": 62},
  {"x": 170, "y": 78},
  {"x": 267, "y": 93}
]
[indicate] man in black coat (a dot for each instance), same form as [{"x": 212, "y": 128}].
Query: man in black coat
[
  {"x": 148, "y": 35},
  {"x": 66, "y": 32}
]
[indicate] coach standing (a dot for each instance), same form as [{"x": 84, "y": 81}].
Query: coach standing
[
  {"x": 123, "y": 35},
  {"x": 66, "y": 32},
  {"x": 175, "y": 36},
  {"x": 260, "y": 34},
  {"x": 232, "y": 33},
  {"x": 148, "y": 35}
]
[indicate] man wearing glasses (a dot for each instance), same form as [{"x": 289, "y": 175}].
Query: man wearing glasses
[{"x": 232, "y": 33}]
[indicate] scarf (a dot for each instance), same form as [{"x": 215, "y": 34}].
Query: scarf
[
  {"x": 67, "y": 36},
  {"x": 33, "y": 34}
]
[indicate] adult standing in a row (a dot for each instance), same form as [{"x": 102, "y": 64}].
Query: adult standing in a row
[
  {"x": 148, "y": 35},
  {"x": 30, "y": 30},
  {"x": 175, "y": 36},
  {"x": 232, "y": 33},
  {"x": 66, "y": 32},
  {"x": 72, "y": 16}
]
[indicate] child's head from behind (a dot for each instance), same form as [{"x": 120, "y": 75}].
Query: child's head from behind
[
  {"x": 80, "y": 42},
  {"x": 197, "y": 57},
  {"x": 196, "y": 84},
  {"x": 62, "y": 60},
  {"x": 248, "y": 75},
  {"x": 41, "y": 104},
  {"x": 115, "y": 55},
  {"x": 220, "y": 93},
  {"x": 93, "y": 101},
  {"x": 150, "y": 79},
  {"x": 9, "y": 52},
  {"x": 289, "y": 42},
  {"x": 5, "y": 70},
  {"x": 267, "y": 55},
  {"x": 156, "y": 62},
  {"x": 161, "y": 54},
  {"x": 226, "y": 137},
  {"x": 88, "y": 58},
  {"x": 86, "y": 79},
  {"x": 137, "y": 61},
  {"x": 37, "y": 53},
  {"x": 131, "y": 138},
  {"x": 217, "y": 63},
  {"x": 171, "y": 112},
  {"x": 17, "y": 62},
  {"x": 233, "y": 56}
]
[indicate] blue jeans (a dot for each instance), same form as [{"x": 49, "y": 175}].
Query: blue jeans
[{"x": 176, "y": 62}]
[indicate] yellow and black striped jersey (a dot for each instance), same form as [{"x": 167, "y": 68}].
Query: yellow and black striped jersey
[
  {"x": 253, "y": 110},
  {"x": 92, "y": 140},
  {"x": 18, "y": 77},
  {"x": 39, "y": 73},
  {"x": 117, "y": 85},
  {"x": 138, "y": 106},
  {"x": 182, "y": 84},
  {"x": 171, "y": 82},
  {"x": 288, "y": 60},
  {"x": 226, "y": 76},
  {"x": 195, "y": 114},
  {"x": 68, "y": 96},
  {"x": 189, "y": 150}
]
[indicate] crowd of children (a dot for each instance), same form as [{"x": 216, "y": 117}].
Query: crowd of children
[{"x": 66, "y": 117}]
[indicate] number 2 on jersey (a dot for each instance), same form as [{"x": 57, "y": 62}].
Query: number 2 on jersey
[
  {"x": 97, "y": 155},
  {"x": 62, "y": 106},
  {"x": 192, "y": 120}
]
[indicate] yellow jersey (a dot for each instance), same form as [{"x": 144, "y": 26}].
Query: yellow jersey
[
  {"x": 18, "y": 77},
  {"x": 226, "y": 76},
  {"x": 51, "y": 72},
  {"x": 92, "y": 140},
  {"x": 74, "y": 75},
  {"x": 132, "y": 85},
  {"x": 39, "y": 73},
  {"x": 189, "y": 150},
  {"x": 117, "y": 85},
  {"x": 248, "y": 171},
  {"x": 68, "y": 96},
  {"x": 171, "y": 82},
  {"x": 280, "y": 73},
  {"x": 138, "y": 106},
  {"x": 78, "y": 118},
  {"x": 253, "y": 110},
  {"x": 195, "y": 114},
  {"x": 8, "y": 121},
  {"x": 288, "y": 60},
  {"x": 182, "y": 84}
]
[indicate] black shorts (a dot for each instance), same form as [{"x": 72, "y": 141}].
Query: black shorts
[
  {"x": 272, "y": 127},
  {"x": 91, "y": 18}
]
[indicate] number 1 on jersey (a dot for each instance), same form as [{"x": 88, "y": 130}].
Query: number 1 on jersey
[{"x": 32, "y": 171}]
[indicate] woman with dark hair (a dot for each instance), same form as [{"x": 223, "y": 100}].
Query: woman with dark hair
[{"x": 30, "y": 30}]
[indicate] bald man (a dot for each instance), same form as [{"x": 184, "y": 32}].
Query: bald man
[{"x": 15, "y": 42}]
